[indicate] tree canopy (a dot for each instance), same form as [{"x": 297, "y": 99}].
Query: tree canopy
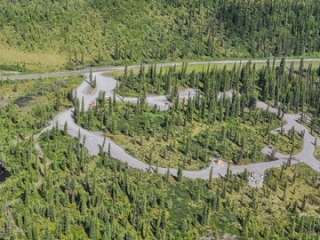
[{"x": 100, "y": 31}]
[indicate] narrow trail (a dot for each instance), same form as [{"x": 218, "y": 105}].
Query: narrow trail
[{"x": 95, "y": 141}]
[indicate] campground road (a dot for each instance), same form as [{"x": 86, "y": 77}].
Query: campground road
[{"x": 96, "y": 142}]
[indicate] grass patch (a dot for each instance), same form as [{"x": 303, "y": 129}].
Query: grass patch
[
  {"x": 32, "y": 92},
  {"x": 317, "y": 153},
  {"x": 12, "y": 59},
  {"x": 289, "y": 143}
]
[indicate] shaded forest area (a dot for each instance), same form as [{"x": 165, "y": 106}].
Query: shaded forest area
[{"x": 111, "y": 31}]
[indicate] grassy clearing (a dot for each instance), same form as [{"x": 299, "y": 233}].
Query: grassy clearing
[
  {"x": 287, "y": 144},
  {"x": 29, "y": 93},
  {"x": 15, "y": 60},
  {"x": 159, "y": 150}
]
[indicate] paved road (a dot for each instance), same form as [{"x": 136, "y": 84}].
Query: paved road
[
  {"x": 119, "y": 68},
  {"x": 95, "y": 142}
]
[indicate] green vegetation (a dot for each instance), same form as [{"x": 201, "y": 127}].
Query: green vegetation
[
  {"x": 195, "y": 131},
  {"x": 163, "y": 81},
  {"x": 293, "y": 86},
  {"x": 70, "y": 33},
  {"x": 63, "y": 193},
  {"x": 99, "y": 198},
  {"x": 26, "y": 96},
  {"x": 172, "y": 139},
  {"x": 317, "y": 152},
  {"x": 17, "y": 60},
  {"x": 52, "y": 188},
  {"x": 26, "y": 107},
  {"x": 260, "y": 81}
]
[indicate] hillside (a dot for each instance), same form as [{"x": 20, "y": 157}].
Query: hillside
[{"x": 39, "y": 35}]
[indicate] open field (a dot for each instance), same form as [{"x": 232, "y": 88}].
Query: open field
[{"x": 22, "y": 61}]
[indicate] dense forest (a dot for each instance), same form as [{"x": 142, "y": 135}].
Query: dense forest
[
  {"x": 78, "y": 32},
  {"x": 56, "y": 190}
]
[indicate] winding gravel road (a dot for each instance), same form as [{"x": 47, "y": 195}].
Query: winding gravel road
[{"x": 95, "y": 141}]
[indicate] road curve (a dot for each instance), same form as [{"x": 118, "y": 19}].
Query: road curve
[
  {"x": 95, "y": 141},
  {"x": 33, "y": 76}
]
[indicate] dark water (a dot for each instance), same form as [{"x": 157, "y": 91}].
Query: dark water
[
  {"x": 23, "y": 101},
  {"x": 4, "y": 174}
]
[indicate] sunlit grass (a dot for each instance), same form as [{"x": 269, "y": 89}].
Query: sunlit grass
[
  {"x": 12, "y": 59},
  {"x": 317, "y": 153}
]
